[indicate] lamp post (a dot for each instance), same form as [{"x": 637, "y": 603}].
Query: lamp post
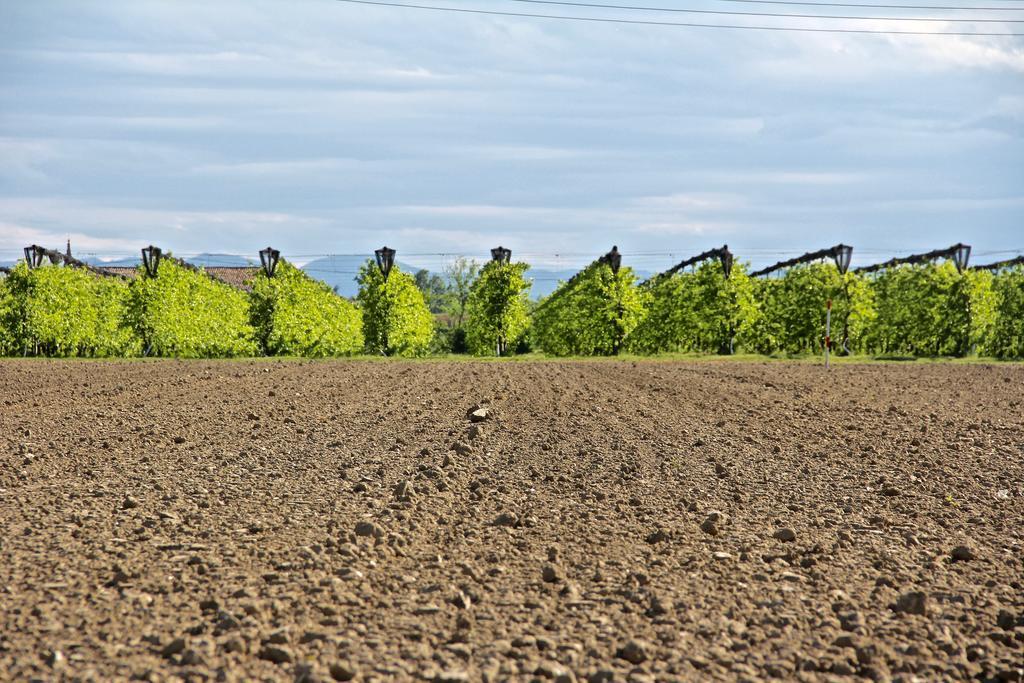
[
  {"x": 500, "y": 255},
  {"x": 268, "y": 259},
  {"x": 843, "y": 255},
  {"x": 151, "y": 260},
  {"x": 961, "y": 255},
  {"x": 385, "y": 260}
]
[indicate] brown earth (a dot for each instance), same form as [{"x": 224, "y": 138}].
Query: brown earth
[{"x": 264, "y": 520}]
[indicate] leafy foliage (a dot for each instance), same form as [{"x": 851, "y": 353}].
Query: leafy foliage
[
  {"x": 793, "y": 310},
  {"x": 590, "y": 315},
  {"x": 699, "y": 311},
  {"x": 63, "y": 311},
  {"x": 931, "y": 309},
  {"x": 294, "y": 314},
  {"x": 184, "y": 313},
  {"x": 497, "y": 308},
  {"x": 1007, "y": 336},
  {"x": 396, "y": 320}
]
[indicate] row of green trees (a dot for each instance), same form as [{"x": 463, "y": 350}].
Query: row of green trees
[
  {"x": 922, "y": 310},
  {"x": 184, "y": 313},
  {"x": 929, "y": 309}
]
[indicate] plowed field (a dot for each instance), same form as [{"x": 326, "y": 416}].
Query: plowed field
[{"x": 650, "y": 521}]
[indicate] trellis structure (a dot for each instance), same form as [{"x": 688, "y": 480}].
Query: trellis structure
[
  {"x": 960, "y": 253},
  {"x": 840, "y": 253},
  {"x": 722, "y": 253}
]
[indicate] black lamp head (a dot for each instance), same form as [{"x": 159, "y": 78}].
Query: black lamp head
[
  {"x": 268, "y": 259},
  {"x": 726, "y": 257},
  {"x": 34, "y": 256},
  {"x": 501, "y": 254},
  {"x": 614, "y": 259},
  {"x": 385, "y": 260},
  {"x": 151, "y": 260},
  {"x": 843, "y": 254},
  {"x": 961, "y": 255}
]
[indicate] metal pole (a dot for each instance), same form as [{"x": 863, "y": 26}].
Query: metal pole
[{"x": 828, "y": 331}]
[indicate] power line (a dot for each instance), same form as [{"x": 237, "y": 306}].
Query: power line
[
  {"x": 766, "y": 14},
  {"x": 789, "y": 2},
  {"x": 644, "y": 22}
]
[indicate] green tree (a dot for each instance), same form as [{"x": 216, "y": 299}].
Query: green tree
[
  {"x": 434, "y": 290},
  {"x": 932, "y": 310},
  {"x": 293, "y": 314},
  {"x": 793, "y": 310},
  {"x": 186, "y": 314},
  {"x": 590, "y": 315},
  {"x": 396, "y": 320},
  {"x": 64, "y": 311},
  {"x": 497, "y": 308},
  {"x": 700, "y": 311},
  {"x": 1007, "y": 337}
]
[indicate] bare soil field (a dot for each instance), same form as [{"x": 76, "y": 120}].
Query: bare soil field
[{"x": 598, "y": 521}]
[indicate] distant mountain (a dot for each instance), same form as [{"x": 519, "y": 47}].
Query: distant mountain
[
  {"x": 206, "y": 260},
  {"x": 546, "y": 281},
  {"x": 340, "y": 271},
  {"x": 222, "y": 261}
]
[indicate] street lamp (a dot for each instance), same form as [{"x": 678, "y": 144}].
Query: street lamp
[
  {"x": 961, "y": 255},
  {"x": 151, "y": 259},
  {"x": 842, "y": 253},
  {"x": 501, "y": 254},
  {"x": 268, "y": 259},
  {"x": 726, "y": 257},
  {"x": 614, "y": 259},
  {"x": 385, "y": 259}
]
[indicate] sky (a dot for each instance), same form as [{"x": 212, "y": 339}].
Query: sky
[{"x": 319, "y": 126}]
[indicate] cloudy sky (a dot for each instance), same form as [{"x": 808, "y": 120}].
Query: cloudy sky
[{"x": 321, "y": 126}]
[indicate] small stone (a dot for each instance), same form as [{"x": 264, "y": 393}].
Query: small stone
[
  {"x": 479, "y": 415},
  {"x": 342, "y": 671},
  {"x": 129, "y": 503},
  {"x": 56, "y": 659},
  {"x": 963, "y": 553},
  {"x": 404, "y": 491},
  {"x": 176, "y": 646},
  {"x": 890, "y": 491},
  {"x": 712, "y": 523},
  {"x": 658, "y": 536},
  {"x": 551, "y": 574},
  {"x": 912, "y": 602},
  {"x": 233, "y": 645},
  {"x": 179, "y": 439},
  {"x": 847, "y": 640},
  {"x": 277, "y": 655},
  {"x": 634, "y": 652},
  {"x": 367, "y": 529},
  {"x": 506, "y": 519},
  {"x": 720, "y": 470},
  {"x": 785, "y": 534},
  {"x": 721, "y": 555},
  {"x": 278, "y": 637},
  {"x": 452, "y": 677}
]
